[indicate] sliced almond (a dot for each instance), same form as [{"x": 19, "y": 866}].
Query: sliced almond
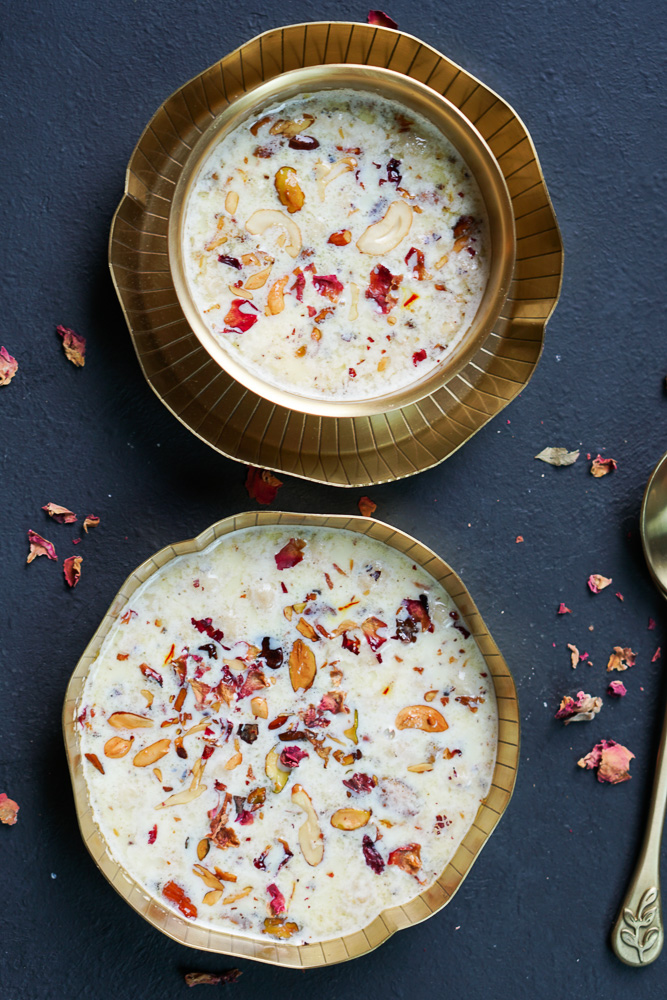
[
  {"x": 351, "y": 733},
  {"x": 240, "y": 293},
  {"x": 421, "y": 717},
  {"x": 276, "y": 775},
  {"x": 288, "y": 612},
  {"x": 231, "y": 202},
  {"x": 311, "y": 840},
  {"x": 420, "y": 768},
  {"x": 350, "y": 819},
  {"x": 259, "y": 708},
  {"x": 128, "y": 720},
  {"x": 302, "y": 666},
  {"x": 275, "y": 302},
  {"x": 117, "y": 746},
  {"x": 236, "y": 666},
  {"x": 307, "y": 630},
  {"x": 234, "y": 761},
  {"x": 385, "y": 235},
  {"x": 279, "y": 927},
  {"x": 265, "y": 218},
  {"x": 430, "y": 695},
  {"x": 148, "y": 695},
  {"x": 259, "y": 279},
  {"x": 212, "y": 897},
  {"x": 208, "y": 878},
  {"x": 151, "y": 754},
  {"x": 441, "y": 263},
  {"x": 203, "y": 847}
]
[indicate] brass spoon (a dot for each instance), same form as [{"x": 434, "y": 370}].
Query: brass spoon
[{"x": 638, "y": 934}]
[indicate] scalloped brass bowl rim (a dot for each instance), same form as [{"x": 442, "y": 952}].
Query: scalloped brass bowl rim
[
  {"x": 475, "y": 152},
  {"x": 424, "y": 904}
]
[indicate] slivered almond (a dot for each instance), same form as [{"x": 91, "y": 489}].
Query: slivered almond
[
  {"x": 231, "y": 202},
  {"x": 117, "y": 746},
  {"x": 208, "y": 878},
  {"x": 234, "y": 761},
  {"x": 238, "y": 895},
  {"x": 311, "y": 840},
  {"x": 203, "y": 847},
  {"x": 148, "y": 695},
  {"x": 152, "y": 753},
  {"x": 129, "y": 720},
  {"x": 212, "y": 897},
  {"x": 240, "y": 293},
  {"x": 420, "y": 768},
  {"x": 307, "y": 630},
  {"x": 441, "y": 263},
  {"x": 288, "y": 612},
  {"x": 259, "y": 279}
]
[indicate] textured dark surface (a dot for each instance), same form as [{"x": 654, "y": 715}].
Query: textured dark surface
[{"x": 78, "y": 83}]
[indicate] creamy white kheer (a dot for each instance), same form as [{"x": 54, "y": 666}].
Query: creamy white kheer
[
  {"x": 287, "y": 733},
  {"x": 337, "y": 246}
]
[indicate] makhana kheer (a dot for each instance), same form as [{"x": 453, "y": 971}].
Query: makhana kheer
[
  {"x": 337, "y": 246},
  {"x": 287, "y": 733}
]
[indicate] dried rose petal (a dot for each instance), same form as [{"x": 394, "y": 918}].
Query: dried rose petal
[
  {"x": 230, "y": 261},
  {"x": 620, "y": 596},
  {"x": 290, "y": 554},
  {"x": 328, "y": 285},
  {"x": 205, "y": 625},
  {"x": 8, "y": 366},
  {"x": 91, "y": 521},
  {"x": 621, "y": 658},
  {"x": 558, "y": 456},
  {"x": 596, "y": 583},
  {"x": 8, "y": 810},
  {"x": 372, "y": 855},
  {"x": 72, "y": 570},
  {"x": 292, "y": 756},
  {"x": 611, "y": 759},
  {"x": 238, "y": 321},
  {"x": 152, "y": 834},
  {"x": 40, "y": 547},
  {"x": 418, "y": 270},
  {"x": 418, "y": 611},
  {"x": 262, "y": 485},
  {"x": 254, "y": 681},
  {"x": 360, "y": 783},
  {"x": 73, "y": 345},
  {"x": 150, "y": 674},
  {"x": 601, "y": 466},
  {"x": 366, "y": 507},
  {"x": 618, "y": 689},
  {"x": 651, "y": 624},
  {"x": 299, "y": 284},
  {"x": 418, "y": 356},
  {"x": 211, "y": 978},
  {"x": 370, "y": 627},
  {"x": 656, "y": 655},
  {"x": 60, "y": 514},
  {"x": 277, "y": 905},
  {"x": 351, "y": 643},
  {"x": 562, "y": 610},
  {"x": 583, "y": 708},
  {"x": 380, "y": 18},
  {"x": 332, "y": 701},
  {"x": 382, "y": 282}
]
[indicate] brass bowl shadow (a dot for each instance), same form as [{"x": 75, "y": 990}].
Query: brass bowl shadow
[
  {"x": 424, "y": 904},
  {"x": 477, "y": 155}
]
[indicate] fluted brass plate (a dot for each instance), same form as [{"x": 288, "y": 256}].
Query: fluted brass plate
[
  {"x": 422, "y": 905},
  {"x": 341, "y": 451}
]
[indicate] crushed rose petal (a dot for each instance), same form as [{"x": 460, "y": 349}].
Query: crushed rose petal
[
  {"x": 617, "y": 689},
  {"x": 583, "y": 708},
  {"x": 656, "y": 655},
  {"x": 237, "y": 320},
  {"x": 292, "y": 756},
  {"x": 8, "y": 810},
  {"x": 382, "y": 282},
  {"x": 558, "y": 456},
  {"x": 366, "y": 507},
  {"x": 290, "y": 554},
  {"x": 361, "y": 783},
  {"x": 596, "y": 583},
  {"x": 73, "y": 345},
  {"x": 8, "y": 366},
  {"x": 90, "y": 521},
  {"x": 328, "y": 285},
  {"x": 59, "y": 514},
  {"x": 372, "y": 855},
  {"x": 651, "y": 624},
  {"x": 601, "y": 466},
  {"x": 562, "y": 610},
  {"x": 262, "y": 485},
  {"x": 72, "y": 570},
  {"x": 277, "y": 905},
  {"x": 621, "y": 658},
  {"x": 380, "y": 18},
  {"x": 611, "y": 759},
  {"x": 40, "y": 547},
  {"x": 152, "y": 834}
]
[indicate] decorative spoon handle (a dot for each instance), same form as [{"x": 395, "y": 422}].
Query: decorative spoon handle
[{"x": 638, "y": 934}]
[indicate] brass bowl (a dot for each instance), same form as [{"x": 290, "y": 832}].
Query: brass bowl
[
  {"x": 338, "y": 451},
  {"x": 424, "y": 904},
  {"x": 454, "y": 126}
]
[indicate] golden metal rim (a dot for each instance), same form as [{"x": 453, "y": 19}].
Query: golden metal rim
[
  {"x": 644, "y": 529},
  {"x": 423, "y": 905},
  {"x": 355, "y": 451},
  {"x": 454, "y": 126}
]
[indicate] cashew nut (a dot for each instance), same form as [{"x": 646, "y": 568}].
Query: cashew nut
[
  {"x": 386, "y": 234},
  {"x": 264, "y": 218}
]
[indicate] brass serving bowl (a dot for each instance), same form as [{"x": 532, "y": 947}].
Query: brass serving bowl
[
  {"x": 447, "y": 118},
  {"x": 425, "y": 903}
]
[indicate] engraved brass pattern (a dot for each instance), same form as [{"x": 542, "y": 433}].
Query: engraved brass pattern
[
  {"x": 344, "y": 451},
  {"x": 424, "y": 904}
]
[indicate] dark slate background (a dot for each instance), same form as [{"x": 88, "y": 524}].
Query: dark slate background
[{"x": 79, "y": 80}]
